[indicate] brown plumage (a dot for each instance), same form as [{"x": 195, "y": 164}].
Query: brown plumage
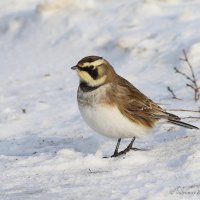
[
  {"x": 130, "y": 101},
  {"x": 135, "y": 105},
  {"x": 102, "y": 92}
]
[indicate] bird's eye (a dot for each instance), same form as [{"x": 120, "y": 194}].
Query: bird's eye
[{"x": 91, "y": 67}]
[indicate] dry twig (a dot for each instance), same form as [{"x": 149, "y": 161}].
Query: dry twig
[
  {"x": 190, "y": 117},
  {"x": 184, "y": 110},
  {"x": 191, "y": 78},
  {"x": 173, "y": 94}
]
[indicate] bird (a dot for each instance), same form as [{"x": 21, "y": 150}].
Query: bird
[{"x": 113, "y": 107}]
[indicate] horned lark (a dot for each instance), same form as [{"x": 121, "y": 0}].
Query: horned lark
[{"x": 114, "y": 107}]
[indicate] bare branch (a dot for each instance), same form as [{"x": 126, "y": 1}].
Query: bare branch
[
  {"x": 186, "y": 76},
  {"x": 188, "y": 85},
  {"x": 191, "y": 68},
  {"x": 184, "y": 110},
  {"x": 190, "y": 117},
  {"x": 173, "y": 94},
  {"x": 195, "y": 87}
]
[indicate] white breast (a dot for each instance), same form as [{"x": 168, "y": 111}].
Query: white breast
[{"x": 108, "y": 120}]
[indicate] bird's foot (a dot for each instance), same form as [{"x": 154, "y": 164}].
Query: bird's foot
[
  {"x": 137, "y": 149},
  {"x": 117, "y": 153},
  {"x": 126, "y": 151}
]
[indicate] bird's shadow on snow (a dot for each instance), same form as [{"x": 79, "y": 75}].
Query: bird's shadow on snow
[{"x": 32, "y": 144}]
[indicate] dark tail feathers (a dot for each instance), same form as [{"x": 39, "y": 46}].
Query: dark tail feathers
[
  {"x": 173, "y": 117},
  {"x": 179, "y": 123}
]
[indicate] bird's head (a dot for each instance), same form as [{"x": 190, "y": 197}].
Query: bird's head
[{"x": 94, "y": 70}]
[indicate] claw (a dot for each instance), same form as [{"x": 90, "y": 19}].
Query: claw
[{"x": 137, "y": 149}]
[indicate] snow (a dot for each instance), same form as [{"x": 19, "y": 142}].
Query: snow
[{"x": 46, "y": 149}]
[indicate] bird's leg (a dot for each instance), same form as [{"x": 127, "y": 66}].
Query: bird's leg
[
  {"x": 116, "y": 148},
  {"x": 133, "y": 148},
  {"x": 128, "y": 148}
]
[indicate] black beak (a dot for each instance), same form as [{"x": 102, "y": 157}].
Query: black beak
[{"x": 74, "y": 67}]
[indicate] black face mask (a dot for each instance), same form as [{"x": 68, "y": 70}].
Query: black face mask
[{"x": 93, "y": 72}]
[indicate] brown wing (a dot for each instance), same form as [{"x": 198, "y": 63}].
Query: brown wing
[{"x": 135, "y": 105}]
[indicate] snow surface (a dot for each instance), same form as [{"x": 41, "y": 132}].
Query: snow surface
[{"x": 46, "y": 150}]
